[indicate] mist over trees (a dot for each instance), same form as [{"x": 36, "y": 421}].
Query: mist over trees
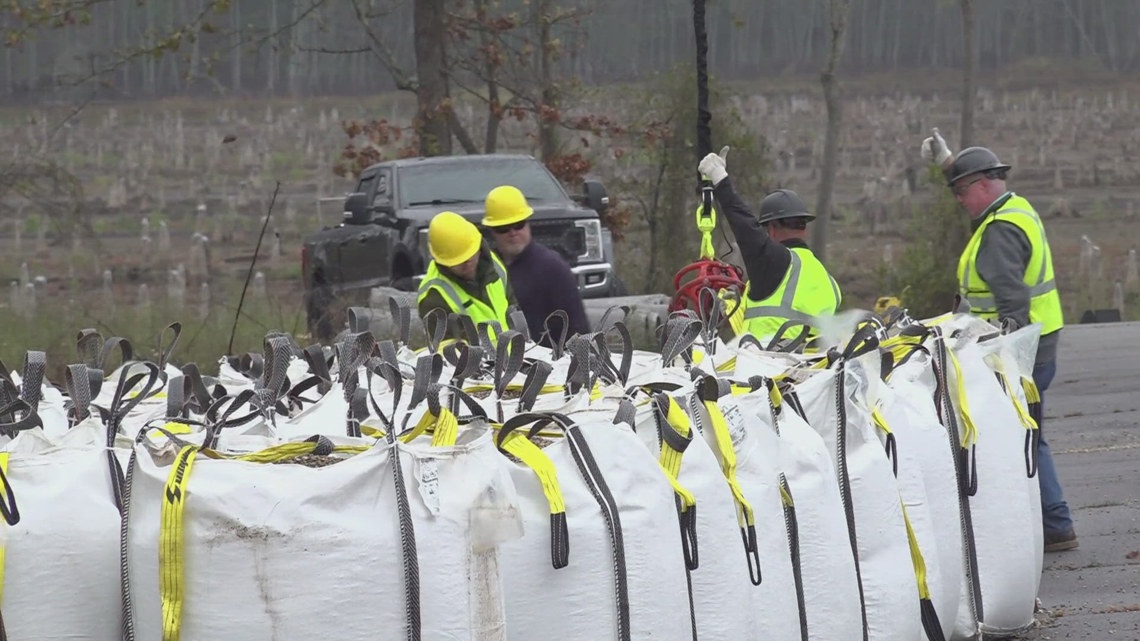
[{"x": 109, "y": 49}]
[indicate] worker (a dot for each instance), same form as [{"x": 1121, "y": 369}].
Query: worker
[
  {"x": 1005, "y": 274},
  {"x": 464, "y": 277},
  {"x": 540, "y": 277},
  {"x": 785, "y": 279}
]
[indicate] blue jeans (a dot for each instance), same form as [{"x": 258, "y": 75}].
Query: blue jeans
[{"x": 1054, "y": 511}]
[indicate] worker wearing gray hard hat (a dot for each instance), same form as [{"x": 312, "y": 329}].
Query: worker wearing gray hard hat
[
  {"x": 785, "y": 279},
  {"x": 1005, "y": 274}
]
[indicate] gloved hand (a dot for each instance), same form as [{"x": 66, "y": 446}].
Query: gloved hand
[
  {"x": 935, "y": 149},
  {"x": 712, "y": 166}
]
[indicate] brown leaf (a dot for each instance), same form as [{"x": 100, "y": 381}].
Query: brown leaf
[
  {"x": 229, "y": 138},
  {"x": 1134, "y": 554}
]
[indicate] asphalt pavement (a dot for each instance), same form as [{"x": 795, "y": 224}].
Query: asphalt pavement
[{"x": 1092, "y": 411}]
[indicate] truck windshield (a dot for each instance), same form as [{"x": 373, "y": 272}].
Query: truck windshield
[{"x": 466, "y": 181}]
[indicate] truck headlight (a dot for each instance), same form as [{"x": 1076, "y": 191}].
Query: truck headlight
[{"x": 592, "y": 230}]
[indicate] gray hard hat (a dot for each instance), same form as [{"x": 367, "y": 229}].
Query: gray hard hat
[
  {"x": 973, "y": 160},
  {"x": 781, "y": 204}
]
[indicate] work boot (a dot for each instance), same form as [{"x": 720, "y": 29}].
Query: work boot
[{"x": 1060, "y": 541}]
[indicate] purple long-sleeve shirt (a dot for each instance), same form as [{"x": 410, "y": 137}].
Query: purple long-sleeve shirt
[{"x": 543, "y": 283}]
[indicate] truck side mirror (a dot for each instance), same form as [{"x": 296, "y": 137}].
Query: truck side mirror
[
  {"x": 596, "y": 197},
  {"x": 356, "y": 209}
]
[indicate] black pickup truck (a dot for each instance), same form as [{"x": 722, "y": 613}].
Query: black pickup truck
[{"x": 382, "y": 239}]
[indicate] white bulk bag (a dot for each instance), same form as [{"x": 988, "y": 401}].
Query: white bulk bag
[
  {"x": 1006, "y": 507},
  {"x": 288, "y": 551},
  {"x": 740, "y": 431},
  {"x": 569, "y": 578},
  {"x": 927, "y": 481},
  {"x": 837, "y": 403},
  {"x": 830, "y": 583},
  {"x": 722, "y": 583},
  {"x": 67, "y": 539}
]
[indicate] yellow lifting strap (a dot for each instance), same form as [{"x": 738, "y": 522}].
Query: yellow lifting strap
[
  {"x": 916, "y": 557},
  {"x": 880, "y": 421},
  {"x": 284, "y": 452},
  {"x": 4, "y": 470},
  {"x": 532, "y": 456},
  {"x": 776, "y": 396},
  {"x": 969, "y": 431},
  {"x": 786, "y": 497},
  {"x": 731, "y": 301},
  {"x": 170, "y": 543},
  {"x": 549, "y": 388},
  {"x": 1022, "y": 413},
  {"x": 727, "y": 456},
  {"x": 444, "y": 428},
  {"x": 744, "y": 513},
  {"x": 670, "y": 459}
]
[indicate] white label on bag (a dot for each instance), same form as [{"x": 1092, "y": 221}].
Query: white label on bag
[
  {"x": 735, "y": 420},
  {"x": 429, "y": 484}
]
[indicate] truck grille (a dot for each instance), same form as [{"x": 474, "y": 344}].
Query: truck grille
[{"x": 562, "y": 236}]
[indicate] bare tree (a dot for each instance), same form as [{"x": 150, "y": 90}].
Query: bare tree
[
  {"x": 969, "y": 55},
  {"x": 433, "y": 107},
  {"x": 838, "y": 10}
]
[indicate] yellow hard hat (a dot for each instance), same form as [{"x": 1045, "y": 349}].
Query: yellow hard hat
[
  {"x": 506, "y": 205},
  {"x": 452, "y": 239}
]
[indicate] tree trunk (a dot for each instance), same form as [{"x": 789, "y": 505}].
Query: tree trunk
[
  {"x": 548, "y": 103},
  {"x": 969, "y": 59},
  {"x": 494, "y": 106},
  {"x": 274, "y": 52},
  {"x": 432, "y": 119},
  {"x": 838, "y": 10}
]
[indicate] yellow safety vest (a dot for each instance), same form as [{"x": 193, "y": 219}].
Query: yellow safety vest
[
  {"x": 1044, "y": 301},
  {"x": 807, "y": 291},
  {"x": 461, "y": 302}
]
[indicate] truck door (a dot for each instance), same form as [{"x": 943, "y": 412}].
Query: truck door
[{"x": 366, "y": 258}]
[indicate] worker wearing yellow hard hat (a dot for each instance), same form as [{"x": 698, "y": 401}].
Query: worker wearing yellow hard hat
[
  {"x": 540, "y": 277},
  {"x": 464, "y": 277}
]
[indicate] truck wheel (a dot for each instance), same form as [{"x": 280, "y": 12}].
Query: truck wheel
[{"x": 319, "y": 313}]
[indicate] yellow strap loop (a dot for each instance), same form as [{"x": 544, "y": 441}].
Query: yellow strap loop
[
  {"x": 880, "y": 421},
  {"x": 736, "y": 318},
  {"x": 446, "y": 429},
  {"x": 744, "y": 514},
  {"x": 596, "y": 392},
  {"x": 549, "y": 388},
  {"x": 170, "y": 543},
  {"x": 776, "y": 396},
  {"x": 426, "y": 422},
  {"x": 533, "y": 457},
  {"x": 786, "y": 497},
  {"x": 969, "y": 431},
  {"x": 1032, "y": 394},
  {"x": 1023, "y": 414},
  {"x": 916, "y": 558},
  {"x": 670, "y": 459},
  {"x": 280, "y": 452}
]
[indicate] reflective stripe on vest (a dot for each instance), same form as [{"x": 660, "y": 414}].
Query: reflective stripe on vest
[
  {"x": 1044, "y": 300},
  {"x": 800, "y": 297},
  {"x": 461, "y": 303}
]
